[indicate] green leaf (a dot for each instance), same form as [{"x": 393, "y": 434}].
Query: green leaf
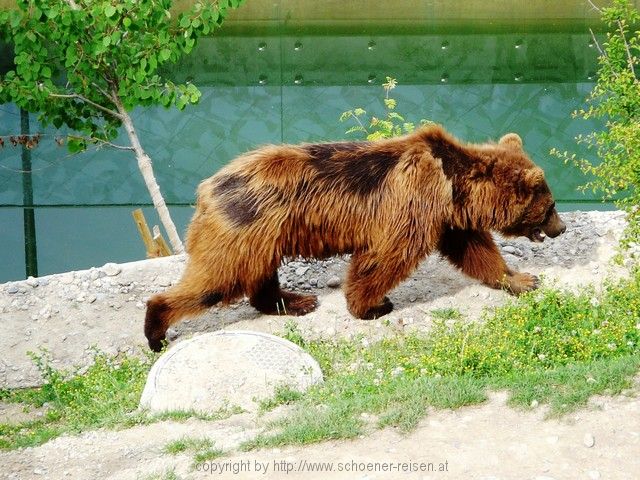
[
  {"x": 52, "y": 13},
  {"x": 165, "y": 54},
  {"x": 106, "y": 41},
  {"x": 126, "y": 21},
  {"x": 109, "y": 11},
  {"x": 76, "y": 144}
]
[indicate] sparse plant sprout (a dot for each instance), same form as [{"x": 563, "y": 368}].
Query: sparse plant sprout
[
  {"x": 283, "y": 395},
  {"x": 391, "y": 125},
  {"x": 446, "y": 313}
]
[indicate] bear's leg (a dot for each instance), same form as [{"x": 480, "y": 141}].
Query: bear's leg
[
  {"x": 195, "y": 292},
  {"x": 270, "y": 299},
  {"x": 370, "y": 276},
  {"x": 476, "y": 254}
]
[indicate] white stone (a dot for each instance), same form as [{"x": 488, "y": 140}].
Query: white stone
[
  {"x": 111, "y": 269},
  {"x": 300, "y": 271},
  {"x": 588, "y": 440}
]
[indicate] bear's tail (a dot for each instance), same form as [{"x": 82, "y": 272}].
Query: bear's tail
[{"x": 165, "y": 309}]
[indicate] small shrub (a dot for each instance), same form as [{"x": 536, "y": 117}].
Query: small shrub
[
  {"x": 391, "y": 125},
  {"x": 616, "y": 99},
  {"x": 101, "y": 395}
]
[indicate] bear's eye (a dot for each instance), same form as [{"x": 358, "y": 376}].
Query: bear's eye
[{"x": 550, "y": 210}]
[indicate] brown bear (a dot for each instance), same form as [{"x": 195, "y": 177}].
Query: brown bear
[{"x": 388, "y": 203}]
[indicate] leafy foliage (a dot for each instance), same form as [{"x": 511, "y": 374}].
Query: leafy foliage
[
  {"x": 76, "y": 60},
  {"x": 616, "y": 99},
  {"x": 392, "y": 125}
]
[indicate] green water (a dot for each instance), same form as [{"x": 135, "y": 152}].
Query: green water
[{"x": 291, "y": 85}]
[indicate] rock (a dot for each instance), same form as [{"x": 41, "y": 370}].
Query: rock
[
  {"x": 67, "y": 278},
  {"x": 32, "y": 282},
  {"x": 593, "y": 474},
  {"x": 509, "y": 249},
  {"x": 171, "y": 334},
  {"x": 588, "y": 440},
  {"x": 313, "y": 282},
  {"x": 11, "y": 289},
  {"x": 163, "y": 281},
  {"x": 111, "y": 269},
  {"x": 511, "y": 258},
  {"x": 334, "y": 282},
  {"x": 300, "y": 271}
]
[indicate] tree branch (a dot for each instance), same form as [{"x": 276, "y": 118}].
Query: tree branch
[
  {"x": 593, "y": 37},
  {"x": 626, "y": 46},
  {"x": 102, "y": 91},
  {"x": 73, "y": 5},
  {"x": 594, "y": 6},
  {"x": 602, "y": 53},
  {"x": 109, "y": 144},
  {"x": 86, "y": 100}
]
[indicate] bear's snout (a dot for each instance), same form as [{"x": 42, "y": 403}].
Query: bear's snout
[{"x": 554, "y": 226}]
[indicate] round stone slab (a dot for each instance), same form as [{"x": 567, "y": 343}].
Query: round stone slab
[{"x": 225, "y": 369}]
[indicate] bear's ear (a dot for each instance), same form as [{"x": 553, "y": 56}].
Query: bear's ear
[
  {"x": 512, "y": 140},
  {"x": 532, "y": 177}
]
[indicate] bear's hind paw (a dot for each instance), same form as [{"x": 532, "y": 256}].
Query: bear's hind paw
[{"x": 296, "y": 304}]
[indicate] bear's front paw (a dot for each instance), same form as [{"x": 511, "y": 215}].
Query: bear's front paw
[
  {"x": 520, "y": 282},
  {"x": 379, "y": 310}
]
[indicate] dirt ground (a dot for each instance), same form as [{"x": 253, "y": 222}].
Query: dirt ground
[{"x": 70, "y": 312}]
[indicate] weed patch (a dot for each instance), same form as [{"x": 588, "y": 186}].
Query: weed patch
[{"x": 553, "y": 346}]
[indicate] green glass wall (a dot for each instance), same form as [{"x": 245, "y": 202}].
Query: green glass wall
[{"x": 286, "y": 75}]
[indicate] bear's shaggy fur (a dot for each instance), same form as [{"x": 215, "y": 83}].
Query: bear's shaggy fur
[{"x": 389, "y": 203}]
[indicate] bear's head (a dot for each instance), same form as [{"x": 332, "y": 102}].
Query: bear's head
[{"x": 535, "y": 215}]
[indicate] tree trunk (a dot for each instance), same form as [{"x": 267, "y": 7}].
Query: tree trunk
[{"x": 144, "y": 164}]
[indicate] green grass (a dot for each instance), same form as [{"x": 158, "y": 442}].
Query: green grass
[
  {"x": 446, "y": 313},
  {"x": 203, "y": 448},
  {"x": 551, "y": 346},
  {"x": 169, "y": 474},
  {"x": 104, "y": 395},
  {"x": 283, "y": 395},
  {"x": 555, "y": 347}
]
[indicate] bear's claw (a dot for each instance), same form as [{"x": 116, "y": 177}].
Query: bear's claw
[
  {"x": 379, "y": 310},
  {"x": 521, "y": 282},
  {"x": 156, "y": 344}
]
